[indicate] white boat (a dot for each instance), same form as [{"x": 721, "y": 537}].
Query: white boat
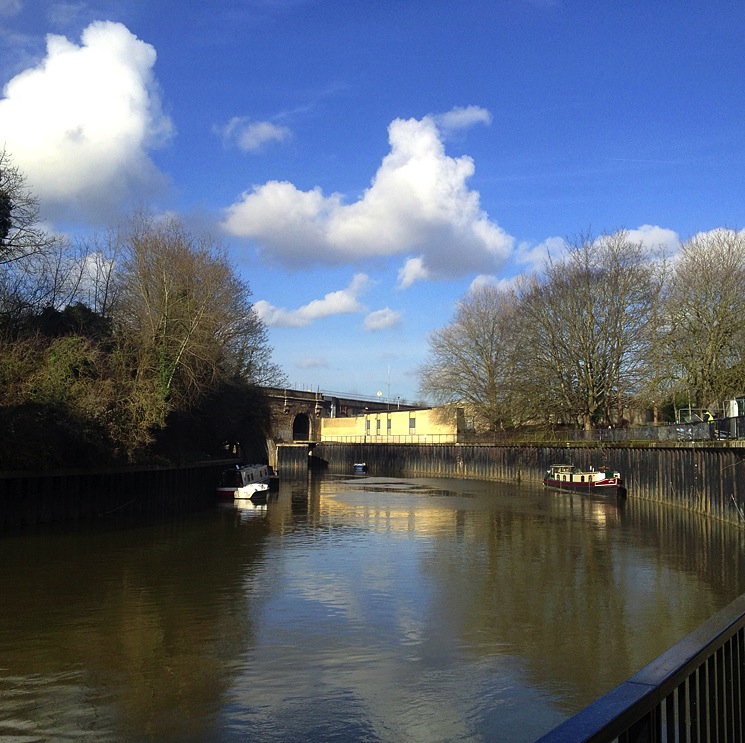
[{"x": 242, "y": 483}]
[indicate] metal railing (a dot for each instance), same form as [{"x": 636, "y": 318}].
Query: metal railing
[
  {"x": 693, "y": 692},
  {"x": 724, "y": 429},
  {"x": 371, "y": 438}
]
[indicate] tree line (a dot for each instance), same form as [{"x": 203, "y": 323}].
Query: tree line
[
  {"x": 605, "y": 332},
  {"x": 137, "y": 345}
]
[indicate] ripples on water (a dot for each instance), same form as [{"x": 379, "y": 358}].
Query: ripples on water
[{"x": 366, "y": 609}]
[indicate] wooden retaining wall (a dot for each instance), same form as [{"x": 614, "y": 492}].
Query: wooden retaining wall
[
  {"x": 293, "y": 460},
  {"x": 29, "y": 500},
  {"x": 705, "y": 479}
]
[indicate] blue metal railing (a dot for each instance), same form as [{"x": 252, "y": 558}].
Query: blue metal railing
[{"x": 693, "y": 692}]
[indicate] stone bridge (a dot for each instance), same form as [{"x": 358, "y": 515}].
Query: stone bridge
[{"x": 296, "y": 414}]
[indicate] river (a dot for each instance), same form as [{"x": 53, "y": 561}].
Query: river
[{"x": 350, "y": 609}]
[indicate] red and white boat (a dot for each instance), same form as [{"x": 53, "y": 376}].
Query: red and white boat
[
  {"x": 242, "y": 483},
  {"x": 567, "y": 477}
]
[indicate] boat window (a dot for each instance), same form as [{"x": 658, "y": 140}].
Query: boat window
[{"x": 582, "y": 478}]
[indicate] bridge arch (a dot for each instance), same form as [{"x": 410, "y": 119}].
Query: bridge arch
[{"x": 301, "y": 427}]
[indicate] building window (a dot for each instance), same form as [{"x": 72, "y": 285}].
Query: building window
[
  {"x": 388, "y": 425},
  {"x": 377, "y": 426},
  {"x": 412, "y": 423},
  {"x": 367, "y": 425}
]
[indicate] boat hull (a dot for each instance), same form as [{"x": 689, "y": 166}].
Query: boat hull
[
  {"x": 243, "y": 493},
  {"x": 251, "y": 491},
  {"x": 596, "y": 488}
]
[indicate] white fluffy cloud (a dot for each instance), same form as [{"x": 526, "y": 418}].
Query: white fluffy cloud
[
  {"x": 417, "y": 204},
  {"x": 342, "y": 302},
  {"x": 80, "y": 124},
  {"x": 251, "y": 136},
  {"x": 534, "y": 256},
  {"x": 413, "y": 270},
  {"x": 462, "y": 118},
  {"x": 485, "y": 280},
  {"x": 382, "y": 319},
  {"x": 654, "y": 237}
]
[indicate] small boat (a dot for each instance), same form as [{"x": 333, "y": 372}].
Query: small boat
[
  {"x": 360, "y": 468},
  {"x": 248, "y": 481},
  {"x": 567, "y": 477}
]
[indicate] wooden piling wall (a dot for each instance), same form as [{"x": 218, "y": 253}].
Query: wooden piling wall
[
  {"x": 704, "y": 479},
  {"x": 294, "y": 460},
  {"x": 72, "y": 496}
]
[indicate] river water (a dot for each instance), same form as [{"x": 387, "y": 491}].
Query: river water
[{"x": 350, "y": 609}]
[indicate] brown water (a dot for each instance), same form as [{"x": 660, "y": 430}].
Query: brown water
[{"x": 365, "y": 609}]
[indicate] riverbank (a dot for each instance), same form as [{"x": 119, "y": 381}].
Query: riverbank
[
  {"x": 126, "y": 492},
  {"x": 706, "y": 478}
]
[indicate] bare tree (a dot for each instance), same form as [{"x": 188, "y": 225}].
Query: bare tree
[
  {"x": 38, "y": 271},
  {"x": 470, "y": 360},
  {"x": 185, "y": 317},
  {"x": 248, "y": 353},
  {"x": 705, "y": 313},
  {"x": 584, "y": 331},
  {"x": 102, "y": 252},
  {"x": 20, "y": 233},
  {"x": 21, "y": 240},
  {"x": 657, "y": 372}
]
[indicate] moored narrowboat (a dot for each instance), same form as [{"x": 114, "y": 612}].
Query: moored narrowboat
[
  {"x": 603, "y": 481},
  {"x": 245, "y": 482}
]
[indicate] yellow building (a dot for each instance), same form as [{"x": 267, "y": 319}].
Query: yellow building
[{"x": 429, "y": 425}]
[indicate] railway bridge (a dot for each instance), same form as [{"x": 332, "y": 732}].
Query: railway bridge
[{"x": 296, "y": 414}]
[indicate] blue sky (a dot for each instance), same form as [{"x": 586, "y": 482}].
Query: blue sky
[{"x": 364, "y": 162}]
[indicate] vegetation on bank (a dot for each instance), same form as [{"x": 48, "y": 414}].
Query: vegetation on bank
[
  {"x": 610, "y": 332},
  {"x": 138, "y": 346}
]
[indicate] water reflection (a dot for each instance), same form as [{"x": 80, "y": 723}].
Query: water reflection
[
  {"x": 136, "y": 626},
  {"x": 359, "y": 608}
]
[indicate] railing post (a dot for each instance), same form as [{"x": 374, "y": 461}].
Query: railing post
[{"x": 642, "y": 731}]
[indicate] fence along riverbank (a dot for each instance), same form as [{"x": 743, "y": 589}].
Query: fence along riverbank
[{"x": 703, "y": 478}]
